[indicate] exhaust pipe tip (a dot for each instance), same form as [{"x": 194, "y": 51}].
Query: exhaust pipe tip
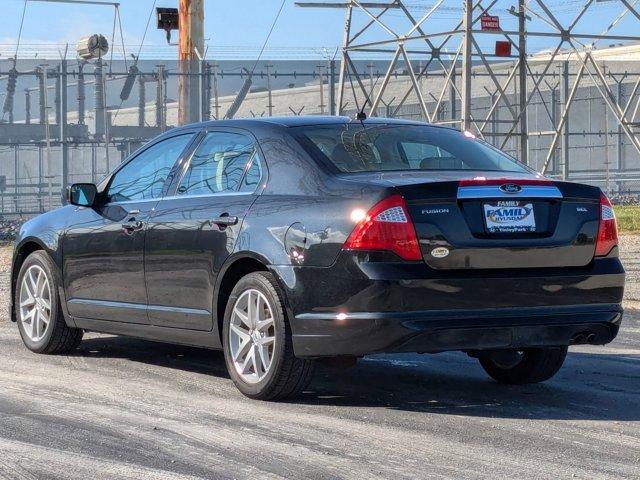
[
  {"x": 577, "y": 339},
  {"x": 591, "y": 338}
]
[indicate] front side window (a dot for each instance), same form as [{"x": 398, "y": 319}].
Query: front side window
[
  {"x": 144, "y": 176},
  {"x": 354, "y": 147},
  {"x": 219, "y": 165}
]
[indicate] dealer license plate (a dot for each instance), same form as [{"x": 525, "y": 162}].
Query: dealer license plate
[{"x": 509, "y": 217}]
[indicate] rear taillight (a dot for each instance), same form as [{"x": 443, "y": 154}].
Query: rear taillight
[
  {"x": 608, "y": 230},
  {"x": 387, "y": 226}
]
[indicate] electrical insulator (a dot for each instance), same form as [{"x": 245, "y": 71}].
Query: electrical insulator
[
  {"x": 95, "y": 46},
  {"x": 11, "y": 90},
  {"x": 129, "y": 82},
  {"x": 237, "y": 102}
]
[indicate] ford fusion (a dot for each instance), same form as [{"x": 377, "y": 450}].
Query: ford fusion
[{"x": 285, "y": 241}]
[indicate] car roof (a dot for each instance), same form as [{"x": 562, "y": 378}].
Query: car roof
[{"x": 300, "y": 120}]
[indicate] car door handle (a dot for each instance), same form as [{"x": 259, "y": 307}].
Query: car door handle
[
  {"x": 132, "y": 225},
  {"x": 225, "y": 220}
]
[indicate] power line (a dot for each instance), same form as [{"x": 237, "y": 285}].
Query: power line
[
  {"x": 146, "y": 28},
  {"x": 24, "y": 11},
  {"x": 266, "y": 40}
]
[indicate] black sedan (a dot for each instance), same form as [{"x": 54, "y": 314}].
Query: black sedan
[{"x": 287, "y": 240}]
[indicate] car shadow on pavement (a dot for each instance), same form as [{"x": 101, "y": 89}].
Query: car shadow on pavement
[
  {"x": 588, "y": 387},
  {"x": 179, "y": 357},
  {"x": 602, "y": 386}
]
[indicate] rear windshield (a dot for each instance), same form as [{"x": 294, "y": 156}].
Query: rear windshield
[{"x": 353, "y": 147}]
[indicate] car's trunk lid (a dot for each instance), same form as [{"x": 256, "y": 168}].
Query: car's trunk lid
[{"x": 500, "y": 221}]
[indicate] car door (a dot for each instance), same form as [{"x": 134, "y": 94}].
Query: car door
[
  {"x": 103, "y": 246},
  {"x": 192, "y": 232}
]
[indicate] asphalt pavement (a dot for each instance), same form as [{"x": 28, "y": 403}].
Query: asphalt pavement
[{"x": 128, "y": 408}]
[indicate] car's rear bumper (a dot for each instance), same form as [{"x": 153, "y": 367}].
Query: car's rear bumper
[
  {"x": 358, "y": 308},
  {"x": 321, "y": 335}
]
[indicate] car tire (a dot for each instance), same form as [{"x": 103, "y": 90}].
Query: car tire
[
  {"x": 258, "y": 349},
  {"x": 536, "y": 365},
  {"x": 40, "y": 319}
]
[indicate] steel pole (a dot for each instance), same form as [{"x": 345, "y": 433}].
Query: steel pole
[
  {"x": 343, "y": 64},
  {"x": 522, "y": 81},
  {"x": 467, "y": 25},
  {"x": 565, "y": 128}
]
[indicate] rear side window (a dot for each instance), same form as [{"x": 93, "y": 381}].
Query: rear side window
[
  {"x": 224, "y": 162},
  {"x": 353, "y": 147},
  {"x": 253, "y": 176},
  {"x": 145, "y": 175}
]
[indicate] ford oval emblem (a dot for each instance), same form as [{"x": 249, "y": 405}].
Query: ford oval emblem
[{"x": 510, "y": 188}]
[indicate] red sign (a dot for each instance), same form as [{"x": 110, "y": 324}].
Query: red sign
[
  {"x": 503, "y": 48},
  {"x": 490, "y": 22}
]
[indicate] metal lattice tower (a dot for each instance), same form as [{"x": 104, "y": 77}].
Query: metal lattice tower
[{"x": 455, "y": 51}]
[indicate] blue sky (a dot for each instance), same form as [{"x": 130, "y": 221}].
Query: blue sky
[
  {"x": 243, "y": 23},
  {"x": 237, "y": 28}
]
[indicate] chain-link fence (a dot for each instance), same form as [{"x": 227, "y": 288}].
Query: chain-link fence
[{"x": 70, "y": 121}]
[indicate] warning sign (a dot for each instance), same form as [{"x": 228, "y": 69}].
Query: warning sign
[
  {"x": 503, "y": 49},
  {"x": 490, "y": 22}
]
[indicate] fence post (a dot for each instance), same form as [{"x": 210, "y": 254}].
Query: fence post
[
  {"x": 620, "y": 138},
  {"x": 160, "y": 117},
  {"x": 332, "y": 87},
  {"x": 206, "y": 90},
  {"x": 216, "y": 102},
  {"x": 64, "y": 180},
  {"x": 269, "y": 91}
]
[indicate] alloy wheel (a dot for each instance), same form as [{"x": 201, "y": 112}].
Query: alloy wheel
[
  {"x": 252, "y": 336},
  {"x": 35, "y": 303}
]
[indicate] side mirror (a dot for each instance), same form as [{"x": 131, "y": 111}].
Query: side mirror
[{"x": 82, "y": 194}]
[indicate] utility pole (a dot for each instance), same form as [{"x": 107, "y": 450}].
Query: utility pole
[{"x": 191, "y": 46}]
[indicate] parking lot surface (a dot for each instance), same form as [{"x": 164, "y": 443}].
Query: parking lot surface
[{"x": 128, "y": 408}]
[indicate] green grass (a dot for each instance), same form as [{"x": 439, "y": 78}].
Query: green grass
[{"x": 628, "y": 217}]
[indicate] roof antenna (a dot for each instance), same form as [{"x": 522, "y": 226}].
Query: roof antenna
[{"x": 361, "y": 116}]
